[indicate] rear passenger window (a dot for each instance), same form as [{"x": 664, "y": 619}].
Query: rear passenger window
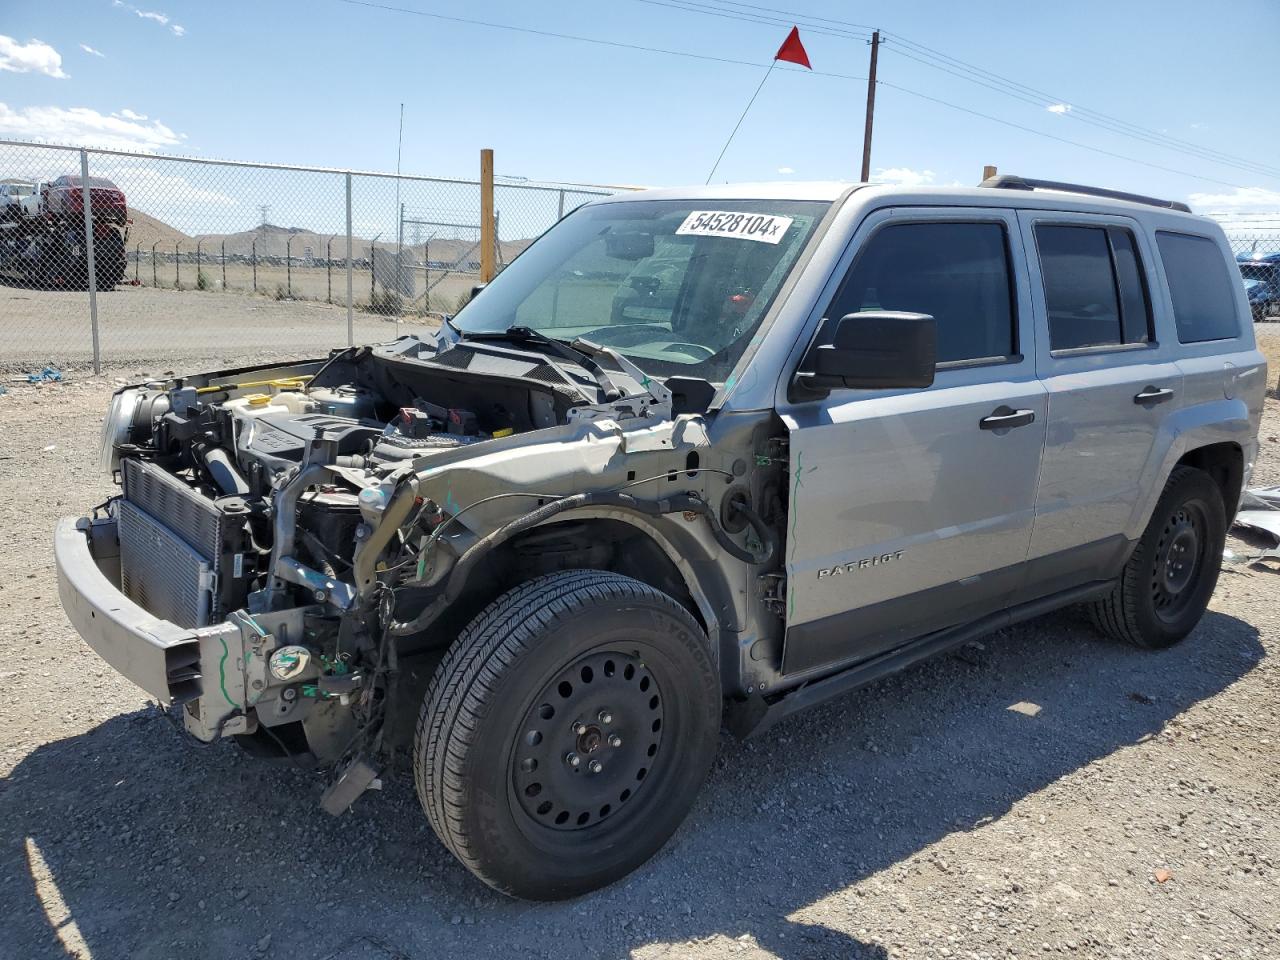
[
  {"x": 1094, "y": 290},
  {"x": 958, "y": 273},
  {"x": 1201, "y": 287}
]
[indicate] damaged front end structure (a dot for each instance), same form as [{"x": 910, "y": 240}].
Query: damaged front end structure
[{"x": 293, "y": 547}]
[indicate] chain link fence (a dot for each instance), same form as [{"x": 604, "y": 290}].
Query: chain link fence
[
  {"x": 1256, "y": 242},
  {"x": 180, "y": 261}
]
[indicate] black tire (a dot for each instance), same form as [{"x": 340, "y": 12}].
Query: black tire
[
  {"x": 1165, "y": 587},
  {"x": 496, "y": 734}
]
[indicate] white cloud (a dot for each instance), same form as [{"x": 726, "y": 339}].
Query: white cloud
[
  {"x": 90, "y": 50},
  {"x": 155, "y": 16},
  {"x": 82, "y": 125},
  {"x": 1059, "y": 108},
  {"x": 903, "y": 176},
  {"x": 1239, "y": 200},
  {"x": 786, "y": 170},
  {"x": 34, "y": 56},
  {"x": 147, "y": 181},
  {"x": 128, "y": 114}
]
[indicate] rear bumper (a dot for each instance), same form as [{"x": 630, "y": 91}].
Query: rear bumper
[{"x": 164, "y": 659}]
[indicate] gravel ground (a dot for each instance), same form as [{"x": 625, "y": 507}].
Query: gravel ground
[
  {"x": 1130, "y": 811},
  {"x": 141, "y": 325}
]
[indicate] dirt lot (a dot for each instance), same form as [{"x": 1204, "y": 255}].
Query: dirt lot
[
  {"x": 172, "y": 329},
  {"x": 1134, "y": 815}
]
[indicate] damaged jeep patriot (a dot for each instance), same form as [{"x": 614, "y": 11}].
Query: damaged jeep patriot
[{"x": 696, "y": 458}]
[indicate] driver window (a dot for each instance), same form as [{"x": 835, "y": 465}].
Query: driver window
[{"x": 958, "y": 273}]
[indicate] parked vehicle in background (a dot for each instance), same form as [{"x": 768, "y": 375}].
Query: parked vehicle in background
[
  {"x": 18, "y": 199},
  {"x": 63, "y": 198},
  {"x": 1262, "y": 284},
  {"x": 42, "y": 239},
  {"x": 696, "y": 456}
]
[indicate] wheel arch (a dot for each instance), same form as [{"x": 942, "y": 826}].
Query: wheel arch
[
  {"x": 606, "y": 539},
  {"x": 1224, "y": 463}
]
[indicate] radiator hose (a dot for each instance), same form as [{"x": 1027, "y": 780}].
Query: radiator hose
[{"x": 679, "y": 503}]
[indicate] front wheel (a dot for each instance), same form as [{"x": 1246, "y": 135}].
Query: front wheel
[
  {"x": 1165, "y": 587},
  {"x": 566, "y": 733}
]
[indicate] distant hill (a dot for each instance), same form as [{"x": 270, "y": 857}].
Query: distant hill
[
  {"x": 275, "y": 241},
  {"x": 146, "y": 230}
]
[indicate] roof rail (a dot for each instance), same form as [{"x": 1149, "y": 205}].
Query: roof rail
[{"x": 1006, "y": 182}]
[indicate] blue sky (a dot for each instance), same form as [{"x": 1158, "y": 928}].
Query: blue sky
[{"x": 320, "y": 82}]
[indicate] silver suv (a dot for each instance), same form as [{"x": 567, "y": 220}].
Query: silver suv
[{"x": 696, "y": 457}]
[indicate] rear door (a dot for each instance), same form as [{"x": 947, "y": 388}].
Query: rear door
[
  {"x": 1111, "y": 382},
  {"x": 911, "y": 509}
]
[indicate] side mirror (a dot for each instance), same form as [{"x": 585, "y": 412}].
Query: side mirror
[{"x": 873, "y": 351}]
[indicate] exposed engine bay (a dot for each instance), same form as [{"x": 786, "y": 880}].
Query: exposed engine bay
[{"x": 338, "y": 512}]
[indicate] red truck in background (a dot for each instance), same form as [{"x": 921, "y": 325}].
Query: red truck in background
[{"x": 42, "y": 232}]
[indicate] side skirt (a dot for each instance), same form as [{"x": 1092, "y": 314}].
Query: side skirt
[{"x": 753, "y": 717}]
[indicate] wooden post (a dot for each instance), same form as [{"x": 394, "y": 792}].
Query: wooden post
[
  {"x": 871, "y": 108},
  {"x": 488, "y": 227},
  {"x": 988, "y": 172}
]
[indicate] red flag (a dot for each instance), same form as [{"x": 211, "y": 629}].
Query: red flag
[{"x": 792, "y": 50}]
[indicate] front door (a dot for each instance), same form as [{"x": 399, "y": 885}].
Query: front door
[{"x": 911, "y": 510}]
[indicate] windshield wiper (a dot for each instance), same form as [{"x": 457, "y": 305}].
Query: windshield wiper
[{"x": 562, "y": 349}]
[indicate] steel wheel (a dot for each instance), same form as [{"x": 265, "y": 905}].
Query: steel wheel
[
  {"x": 587, "y": 744},
  {"x": 1179, "y": 556}
]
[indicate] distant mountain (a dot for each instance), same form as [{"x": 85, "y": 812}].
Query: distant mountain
[
  {"x": 146, "y": 230},
  {"x": 275, "y": 241}
]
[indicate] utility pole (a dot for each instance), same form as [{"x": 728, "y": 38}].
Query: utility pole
[
  {"x": 871, "y": 108},
  {"x": 488, "y": 226}
]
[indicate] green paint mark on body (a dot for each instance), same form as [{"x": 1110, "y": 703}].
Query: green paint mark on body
[{"x": 222, "y": 671}]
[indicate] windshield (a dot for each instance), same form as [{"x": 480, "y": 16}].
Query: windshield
[{"x": 678, "y": 286}]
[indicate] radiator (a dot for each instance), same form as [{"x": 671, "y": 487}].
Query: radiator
[{"x": 170, "y": 546}]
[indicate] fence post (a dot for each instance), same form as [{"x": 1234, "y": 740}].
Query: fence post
[
  {"x": 488, "y": 230},
  {"x": 137, "y": 264},
  {"x": 177, "y": 265},
  {"x": 253, "y": 254},
  {"x": 328, "y": 267},
  {"x": 560, "y": 207},
  {"x": 155, "y": 277},
  {"x": 224, "y": 266},
  {"x": 426, "y": 276},
  {"x": 198, "y": 242},
  {"x": 373, "y": 271},
  {"x": 87, "y": 201},
  {"x": 288, "y": 265},
  {"x": 351, "y": 335}
]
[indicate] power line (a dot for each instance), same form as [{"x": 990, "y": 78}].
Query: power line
[
  {"x": 994, "y": 81},
  {"x": 1050, "y": 136},
  {"x": 548, "y": 33},
  {"x": 748, "y": 63},
  {"x": 692, "y": 6}
]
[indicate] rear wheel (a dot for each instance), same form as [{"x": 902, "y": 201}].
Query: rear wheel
[
  {"x": 1166, "y": 585},
  {"x": 566, "y": 733}
]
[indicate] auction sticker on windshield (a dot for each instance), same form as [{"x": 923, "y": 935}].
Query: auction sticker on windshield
[{"x": 742, "y": 226}]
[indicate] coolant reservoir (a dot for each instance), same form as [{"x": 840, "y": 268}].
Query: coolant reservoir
[
  {"x": 255, "y": 405},
  {"x": 343, "y": 401}
]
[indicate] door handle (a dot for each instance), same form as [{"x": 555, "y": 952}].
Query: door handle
[
  {"x": 1150, "y": 396},
  {"x": 1004, "y": 418}
]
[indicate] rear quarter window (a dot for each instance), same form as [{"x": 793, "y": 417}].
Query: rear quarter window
[{"x": 1201, "y": 287}]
